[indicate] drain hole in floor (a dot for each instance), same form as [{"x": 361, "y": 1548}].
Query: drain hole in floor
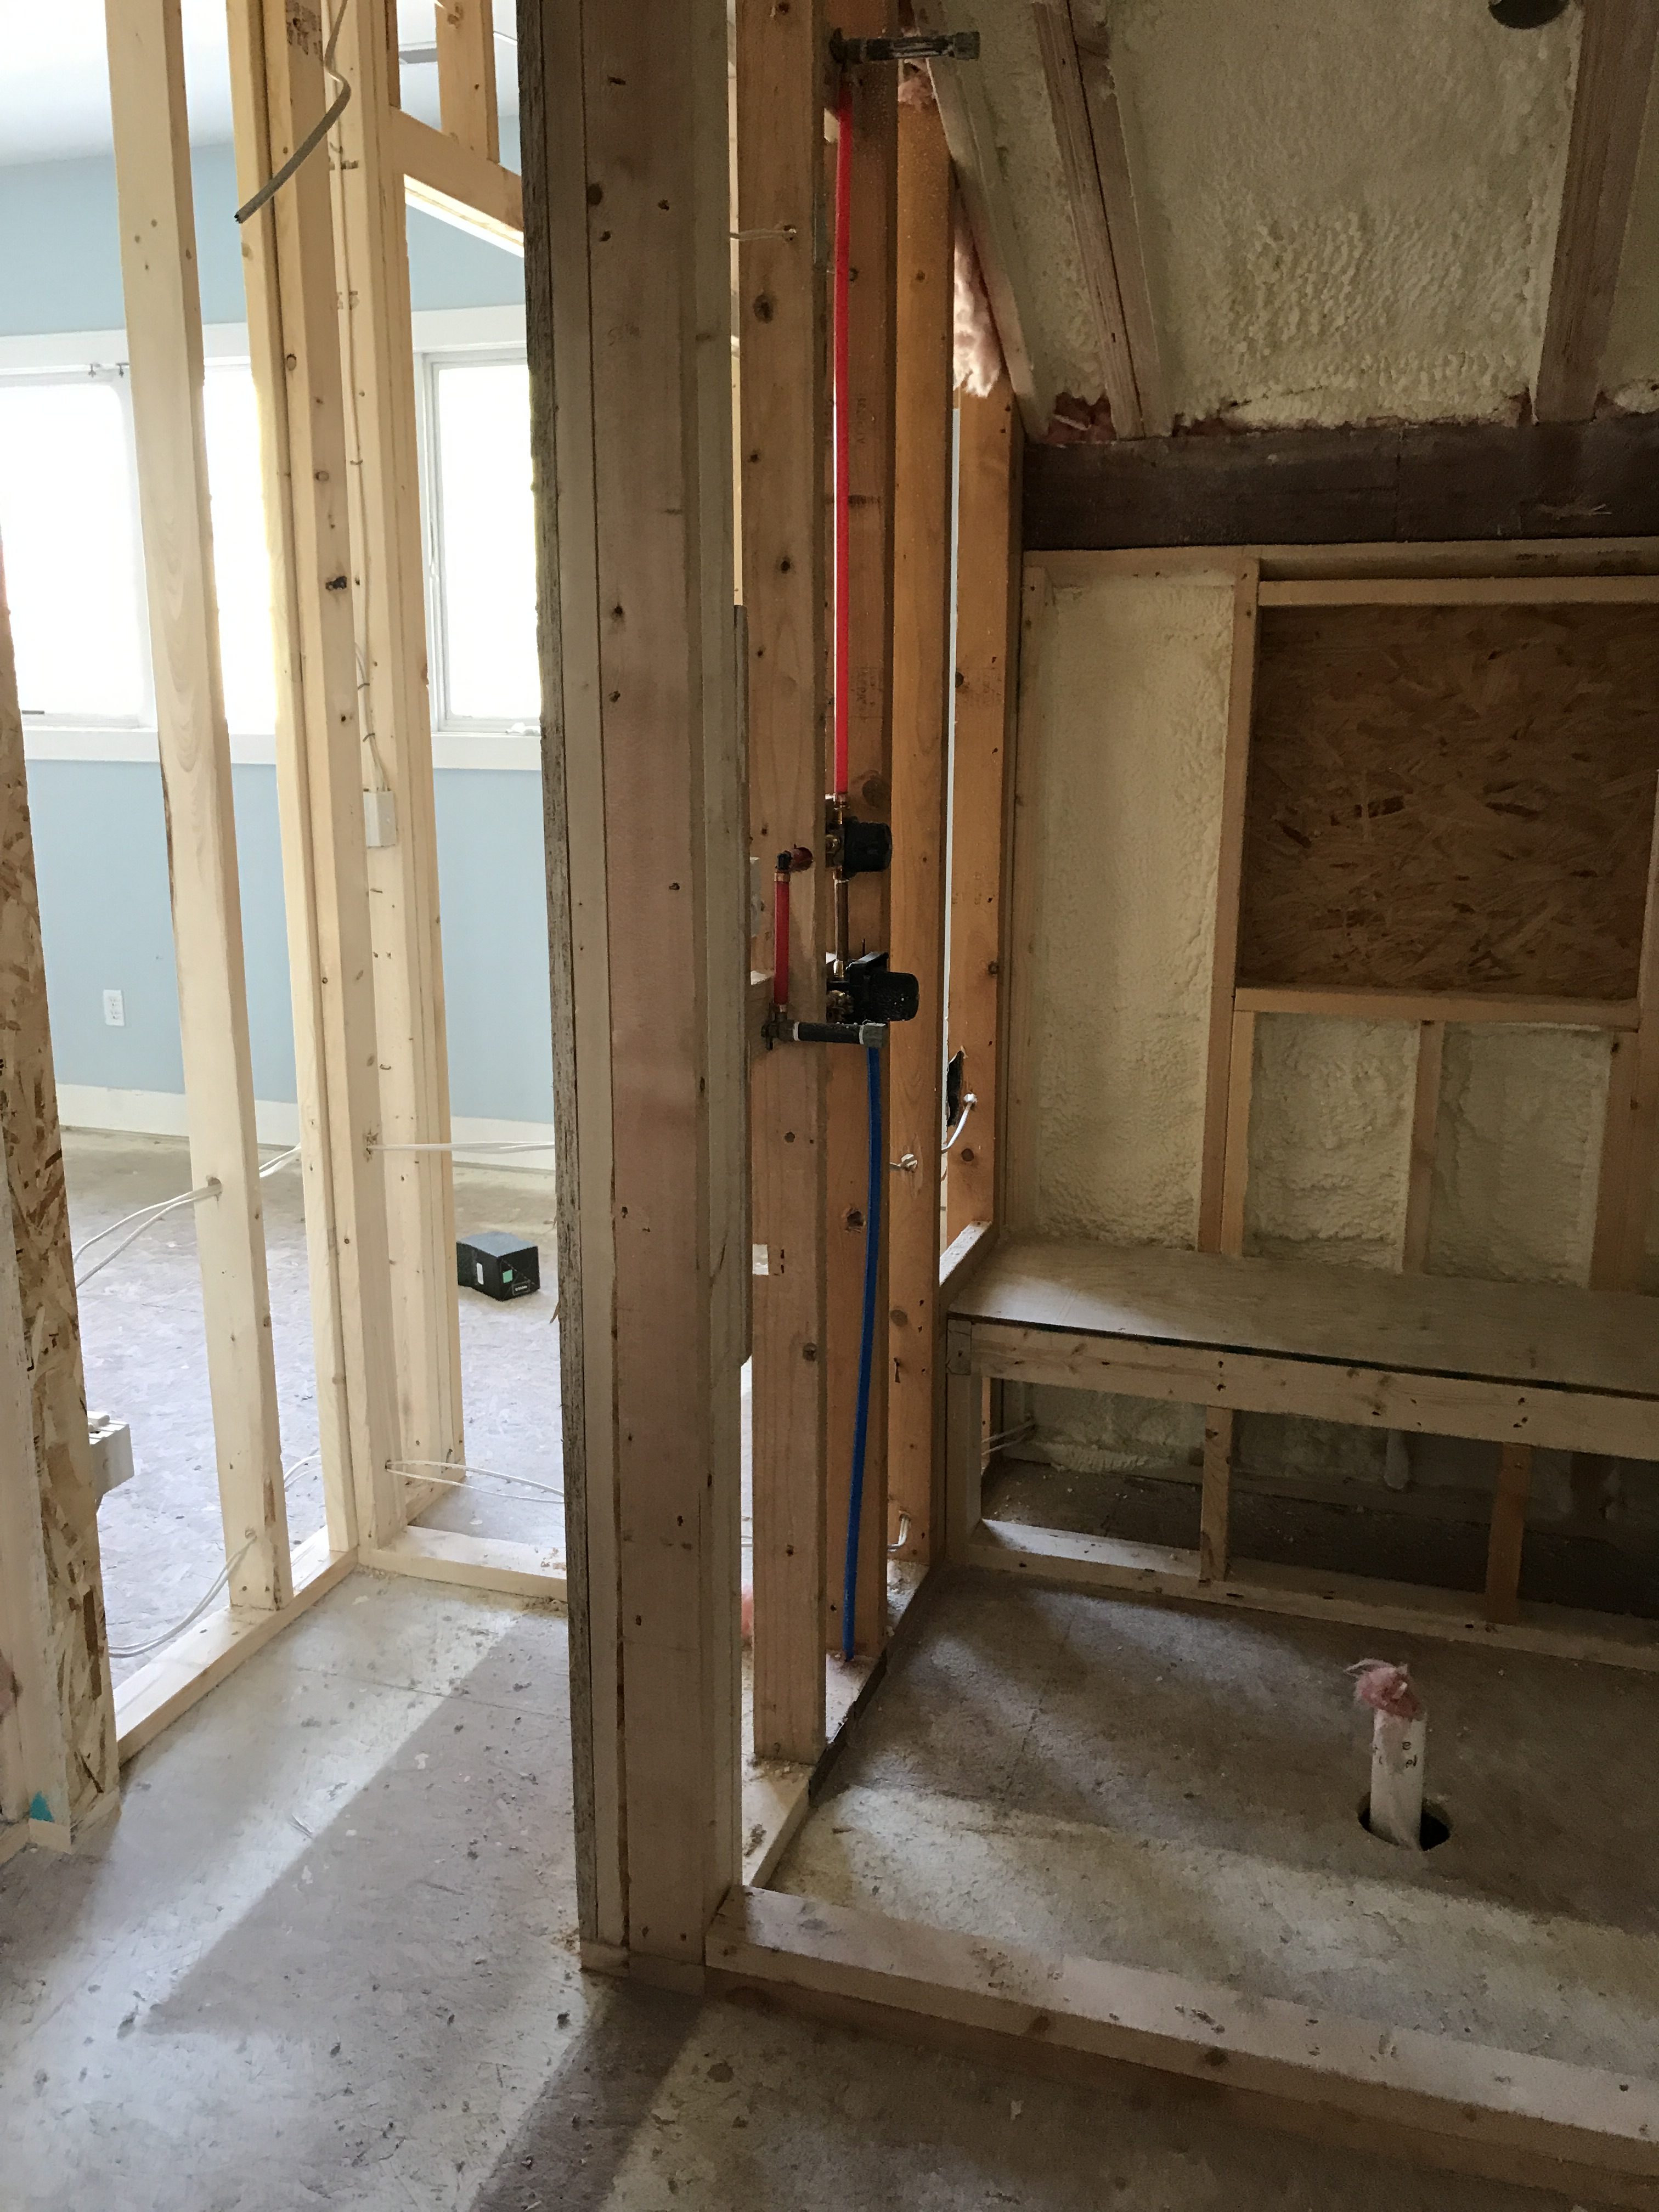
[{"x": 1435, "y": 1829}]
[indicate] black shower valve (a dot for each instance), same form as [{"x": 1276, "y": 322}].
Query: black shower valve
[
  {"x": 855, "y": 848},
  {"x": 876, "y": 993}
]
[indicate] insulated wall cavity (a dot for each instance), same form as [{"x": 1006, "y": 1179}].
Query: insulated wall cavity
[{"x": 1122, "y": 726}]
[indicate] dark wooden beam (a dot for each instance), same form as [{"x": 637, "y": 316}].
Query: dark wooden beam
[{"x": 1354, "y": 487}]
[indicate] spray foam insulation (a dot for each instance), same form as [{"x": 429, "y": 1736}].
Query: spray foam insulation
[
  {"x": 1123, "y": 718},
  {"x": 1451, "y": 798},
  {"x": 1347, "y": 211}
]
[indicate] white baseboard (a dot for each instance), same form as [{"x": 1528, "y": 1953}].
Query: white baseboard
[{"x": 277, "y": 1121}]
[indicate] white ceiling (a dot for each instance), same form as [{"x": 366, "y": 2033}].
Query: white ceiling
[{"x": 54, "y": 81}]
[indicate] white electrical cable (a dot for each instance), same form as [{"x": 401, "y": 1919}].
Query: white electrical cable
[
  {"x": 162, "y": 1206},
  {"x": 151, "y": 1215},
  {"x": 961, "y": 1122},
  {"x": 315, "y": 138},
  {"x": 418, "y": 1467},
  {"x": 1016, "y": 1435},
  {"x": 146, "y": 1217},
  {"x": 170, "y": 1635},
  {"x": 460, "y": 1145}
]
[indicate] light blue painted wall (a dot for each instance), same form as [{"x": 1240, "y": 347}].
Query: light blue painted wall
[
  {"x": 60, "y": 249},
  {"x": 492, "y": 895},
  {"x": 100, "y": 829},
  {"x": 100, "y": 858}
]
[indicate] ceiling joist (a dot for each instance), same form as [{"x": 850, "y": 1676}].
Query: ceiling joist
[
  {"x": 1615, "y": 72},
  {"x": 1122, "y": 223},
  {"x": 989, "y": 206},
  {"x": 1083, "y": 104}
]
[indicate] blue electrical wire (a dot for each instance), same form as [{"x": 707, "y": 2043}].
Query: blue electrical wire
[{"x": 849, "y": 1589}]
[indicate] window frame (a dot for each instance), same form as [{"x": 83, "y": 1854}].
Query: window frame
[
  {"x": 442, "y": 336},
  {"x": 140, "y": 725},
  {"x": 448, "y": 729}
]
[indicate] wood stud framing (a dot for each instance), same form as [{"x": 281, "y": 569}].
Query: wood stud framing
[
  {"x": 552, "y": 123},
  {"x": 636, "y": 93},
  {"x": 466, "y": 74},
  {"x": 455, "y": 184},
  {"x": 1070, "y": 109},
  {"x": 293, "y": 291},
  {"x": 921, "y": 706},
  {"x": 970, "y": 133},
  {"x": 785, "y": 421},
  {"x": 1122, "y": 222},
  {"x": 1230, "y": 1054},
  {"x": 164, "y": 342},
  {"x": 389, "y": 571},
  {"x": 989, "y": 444}
]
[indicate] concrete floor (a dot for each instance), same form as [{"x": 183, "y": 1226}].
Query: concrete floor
[
  {"x": 146, "y": 1364},
  {"x": 1180, "y": 1791},
  {"x": 327, "y": 1958}
]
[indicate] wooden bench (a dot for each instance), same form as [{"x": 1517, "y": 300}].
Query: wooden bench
[{"x": 1521, "y": 1364}]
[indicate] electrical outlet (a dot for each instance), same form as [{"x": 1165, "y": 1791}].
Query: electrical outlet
[{"x": 115, "y": 1011}]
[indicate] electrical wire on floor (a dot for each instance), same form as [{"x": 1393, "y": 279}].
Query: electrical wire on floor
[
  {"x": 460, "y": 1145},
  {"x": 419, "y": 1468},
  {"x": 170, "y": 1635},
  {"x": 146, "y": 1217},
  {"x": 1016, "y": 1435}
]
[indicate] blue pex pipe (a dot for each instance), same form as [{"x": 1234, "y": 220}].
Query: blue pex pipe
[{"x": 849, "y": 1588}]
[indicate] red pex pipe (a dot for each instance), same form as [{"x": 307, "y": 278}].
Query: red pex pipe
[
  {"x": 781, "y": 938},
  {"x": 839, "y": 383}
]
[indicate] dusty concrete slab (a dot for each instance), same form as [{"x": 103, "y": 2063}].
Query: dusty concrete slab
[
  {"x": 327, "y": 1958},
  {"x": 1180, "y": 1791},
  {"x": 146, "y": 1364}
]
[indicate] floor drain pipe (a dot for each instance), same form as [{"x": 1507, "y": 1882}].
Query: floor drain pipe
[{"x": 1399, "y": 1738}]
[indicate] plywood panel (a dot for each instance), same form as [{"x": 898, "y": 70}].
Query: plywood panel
[
  {"x": 1543, "y": 1335},
  {"x": 1451, "y": 798},
  {"x": 76, "y": 1659}
]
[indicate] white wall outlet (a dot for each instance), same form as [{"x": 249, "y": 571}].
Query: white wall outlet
[{"x": 115, "y": 1010}]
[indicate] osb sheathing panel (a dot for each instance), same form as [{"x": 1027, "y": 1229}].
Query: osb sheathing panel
[
  {"x": 39, "y": 1213},
  {"x": 1451, "y": 798}
]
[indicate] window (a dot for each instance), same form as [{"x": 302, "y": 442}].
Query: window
[
  {"x": 484, "y": 544},
  {"x": 72, "y": 550},
  {"x": 241, "y": 563},
  {"x": 74, "y": 571}
]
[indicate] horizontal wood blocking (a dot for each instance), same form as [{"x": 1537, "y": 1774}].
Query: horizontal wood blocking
[
  {"x": 1149, "y": 1298},
  {"x": 485, "y": 1563},
  {"x": 1110, "y": 1564},
  {"x": 1502, "y": 2104},
  {"x": 1346, "y": 487},
  {"x": 1367, "y": 1397},
  {"x": 1438, "y": 1006},
  {"x": 1459, "y": 591},
  {"x": 445, "y": 178}
]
